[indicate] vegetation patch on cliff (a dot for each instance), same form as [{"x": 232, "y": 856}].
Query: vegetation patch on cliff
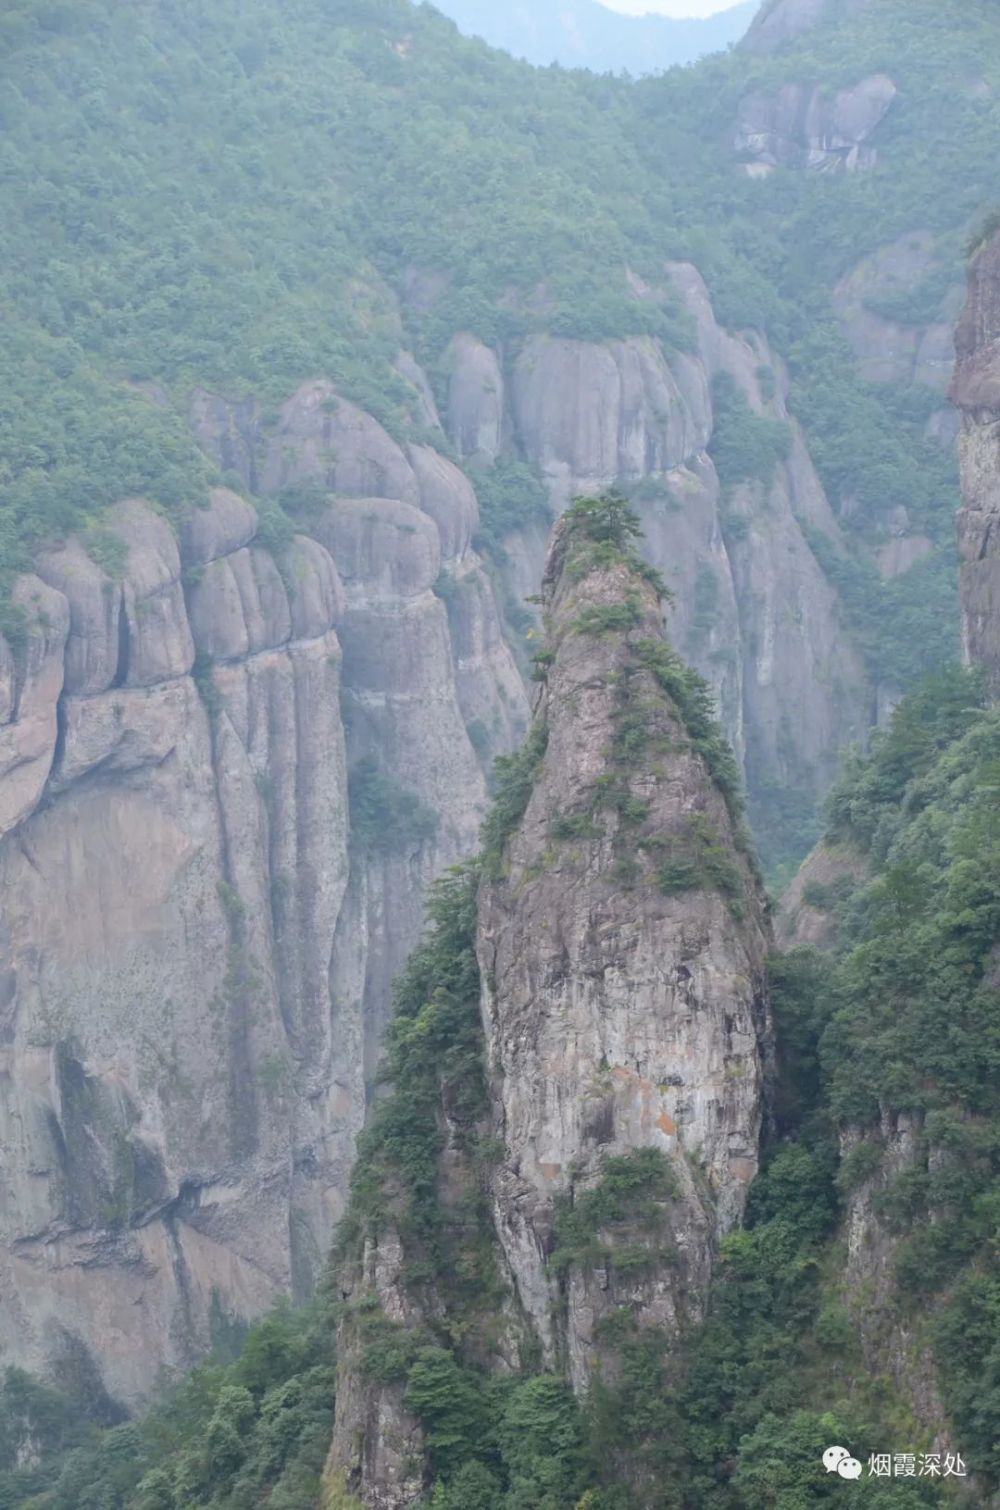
[
  {"x": 434, "y": 1063},
  {"x": 386, "y": 819},
  {"x": 746, "y": 447},
  {"x": 617, "y": 1222},
  {"x": 513, "y": 784}
]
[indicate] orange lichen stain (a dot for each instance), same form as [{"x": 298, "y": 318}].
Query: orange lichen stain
[
  {"x": 649, "y": 1095},
  {"x": 632, "y": 1078},
  {"x": 550, "y": 1171}
]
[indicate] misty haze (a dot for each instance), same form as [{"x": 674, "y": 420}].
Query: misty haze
[{"x": 499, "y": 752}]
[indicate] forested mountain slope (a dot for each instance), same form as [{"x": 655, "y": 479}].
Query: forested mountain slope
[{"x": 315, "y": 317}]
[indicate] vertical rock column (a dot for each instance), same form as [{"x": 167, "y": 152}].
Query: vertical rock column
[
  {"x": 620, "y": 936},
  {"x": 622, "y": 947},
  {"x": 976, "y": 391}
]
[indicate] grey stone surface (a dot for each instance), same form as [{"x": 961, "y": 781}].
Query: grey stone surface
[
  {"x": 197, "y": 961},
  {"x": 616, "y": 1018},
  {"x": 976, "y": 392},
  {"x": 799, "y": 127}
]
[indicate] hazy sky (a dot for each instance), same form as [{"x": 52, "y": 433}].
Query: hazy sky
[{"x": 669, "y": 7}]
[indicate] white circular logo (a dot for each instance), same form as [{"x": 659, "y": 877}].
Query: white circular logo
[{"x": 833, "y": 1457}]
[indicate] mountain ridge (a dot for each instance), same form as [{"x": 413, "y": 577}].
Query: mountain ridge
[{"x": 586, "y": 34}]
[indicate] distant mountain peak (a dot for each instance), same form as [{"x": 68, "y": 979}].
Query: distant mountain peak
[{"x": 586, "y": 34}]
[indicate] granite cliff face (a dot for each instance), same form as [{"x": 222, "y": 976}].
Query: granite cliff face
[
  {"x": 171, "y": 874},
  {"x": 976, "y": 392},
  {"x": 621, "y": 941},
  {"x": 892, "y": 350},
  {"x": 195, "y": 944},
  {"x": 755, "y": 614},
  {"x": 798, "y": 127},
  {"x": 623, "y": 993}
]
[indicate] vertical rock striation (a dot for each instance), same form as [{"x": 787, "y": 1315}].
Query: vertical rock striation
[
  {"x": 168, "y": 904},
  {"x": 755, "y": 613},
  {"x": 622, "y": 953},
  {"x": 431, "y": 689},
  {"x": 196, "y": 946},
  {"x": 976, "y": 392},
  {"x": 802, "y": 127}
]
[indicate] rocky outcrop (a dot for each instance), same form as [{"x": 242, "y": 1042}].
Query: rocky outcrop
[
  {"x": 169, "y": 901},
  {"x": 897, "y": 1346},
  {"x": 432, "y": 692},
  {"x": 378, "y": 1443},
  {"x": 423, "y": 410},
  {"x": 976, "y": 392},
  {"x": 32, "y": 675},
  {"x": 623, "y": 991},
  {"x": 807, "y": 916},
  {"x": 621, "y": 941},
  {"x": 903, "y": 551},
  {"x": 317, "y": 438},
  {"x": 802, "y": 127},
  {"x": 196, "y": 955},
  {"x": 476, "y": 399},
  {"x": 587, "y": 414},
  {"x": 405, "y": 718}
]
